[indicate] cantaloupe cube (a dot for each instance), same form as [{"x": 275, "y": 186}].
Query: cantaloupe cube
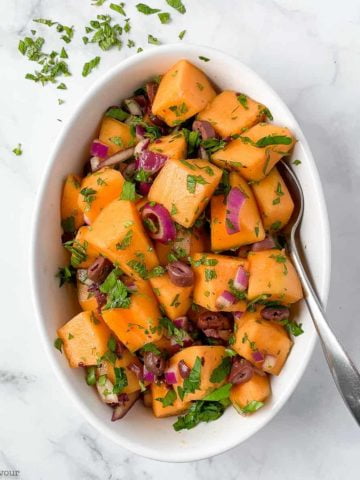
[
  {"x": 187, "y": 242},
  {"x": 173, "y": 146},
  {"x": 274, "y": 200},
  {"x": 251, "y": 227},
  {"x": 118, "y": 234},
  {"x": 138, "y": 324},
  {"x": 84, "y": 251},
  {"x": 214, "y": 274},
  {"x": 255, "y": 162},
  {"x": 86, "y": 299},
  {"x": 184, "y": 91},
  {"x": 71, "y": 216},
  {"x": 98, "y": 190},
  {"x": 175, "y": 300},
  {"x": 231, "y": 112},
  {"x": 257, "y": 389},
  {"x": 159, "y": 390},
  {"x": 253, "y": 333},
  {"x": 273, "y": 274},
  {"x": 185, "y": 187},
  {"x": 107, "y": 369},
  {"x": 84, "y": 339},
  {"x": 116, "y": 135}
]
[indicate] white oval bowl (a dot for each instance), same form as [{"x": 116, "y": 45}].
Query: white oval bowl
[{"x": 139, "y": 431}]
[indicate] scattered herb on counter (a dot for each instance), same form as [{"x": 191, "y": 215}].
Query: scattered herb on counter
[
  {"x": 146, "y": 10},
  {"x": 17, "y": 150},
  {"x": 153, "y": 40},
  {"x": 182, "y": 35},
  {"x": 177, "y": 5}
]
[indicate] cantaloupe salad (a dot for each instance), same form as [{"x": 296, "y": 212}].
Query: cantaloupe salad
[{"x": 176, "y": 249}]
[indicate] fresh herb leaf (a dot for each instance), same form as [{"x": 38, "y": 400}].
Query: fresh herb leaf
[
  {"x": 221, "y": 371},
  {"x": 280, "y": 259},
  {"x": 178, "y": 334},
  {"x": 139, "y": 268},
  {"x": 117, "y": 113},
  {"x": 179, "y": 109},
  {"x": 91, "y": 375},
  {"x": 128, "y": 191},
  {"x": 58, "y": 344},
  {"x": 18, "y": 150},
  {"x": 164, "y": 17},
  {"x": 238, "y": 294},
  {"x": 181, "y": 36},
  {"x": 212, "y": 145},
  {"x": 169, "y": 398},
  {"x": 204, "y": 59},
  {"x": 146, "y": 10},
  {"x": 251, "y": 407},
  {"x": 126, "y": 241},
  {"x": 210, "y": 274},
  {"x": 111, "y": 344},
  {"x": 151, "y": 347},
  {"x": 199, "y": 411},
  {"x": 66, "y": 275},
  {"x": 193, "y": 180},
  {"x": 296, "y": 162},
  {"x": 118, "y": 295},
  {"x": 192, "y": 382},
  {"x": 219, "y": 394},
  {"x": 78, "y": 252},
  {"x": 275, "y": 226},
  {"x": 273, "y": 140},
  {"x": 153, "y": 40},
  {"x": 89, "y": 66},
  {"x": 118, "y": 8},
  {"x": 177, "y": 4},
  {"x": 293, "y": 327},
  {"x": 121, "y": 380},
  {"x": 243, "y": 100}
]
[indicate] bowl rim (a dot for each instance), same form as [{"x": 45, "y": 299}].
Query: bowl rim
[{"x": 179, "y": 456}]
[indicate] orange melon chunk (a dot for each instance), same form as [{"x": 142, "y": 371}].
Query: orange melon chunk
[
  {"x": 231, "y": 113},
  {"x": 273, "y": 274},
  {"x": 173, "y": 146},
  {"x": 116, "y": 135},
  {"x": 71, "y": 216},
  {"x": 88, "y": 253},
  {"x": 84, "y": 339},
  {"x": 183, "y": 91},
  {"x": 175, "y": 300},
  {"x": 195, "y": 181},
  {"x": 257, "y": 389},
  {"x": 98, "y": 190},
  {"x": 251, "y": 227},
  {"x": 159, "y": 391},
  {"x": 212, "y": 276},
  {"x": 254, "y": 162},
  {"x": 274, "y": 200},
  {"x": 107, "y": 369},
  {"x": 187, "y": 242}
]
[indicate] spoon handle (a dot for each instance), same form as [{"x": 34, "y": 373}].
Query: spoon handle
[{"x": 344, "y": 372}]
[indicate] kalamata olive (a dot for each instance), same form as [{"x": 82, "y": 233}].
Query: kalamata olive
[
  {"x": 213, "y": 320},
  {"x": 243, "y": 251},
  {"x": 241, "y": 371},
  {"x": 221, "y": 334},
  {"x": 151, "y": 89},
  {"x": 184, "y": 369},
  {"x": 205, "y": 129},
  {"x": 180, "y": 274},
  {"x": 99, "y": 270},
  {"x": 275, "y": 313},
  {"x": 154, "y": 363}
]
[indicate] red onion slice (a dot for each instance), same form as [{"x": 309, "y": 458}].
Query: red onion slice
[
  {"x": 99, "y": 149},
  {"x": 126, "y": 401},
  {"x": 133, "y": 106},
  {"x": 269, "y": 362},
  {"x": 142, "y": 145},
  {"x": 144, "y": 188},
  {"x": 159, "y": 223},
  {"x": 95, "y": 163},
  {"x": 170, "y": 376},
  {"x": 105, "y": 392},
  {"x": 238, "y": 315},
  {"x": 202, "y": 153},
  {"x": 181, "y": 322},
  {"x": 257, "y": 356},
  {"x": 113, "y": 160},
  {"x": 241, "y": 280},
  {"x": 82, "y": 277},
  {"x": 149, "y": 161},
  {"x": 267, "y": 244},
  {"x": 226, "y": 299},
  {"x": 148, "y": 376},
  {"x": 234, "y": 202}
]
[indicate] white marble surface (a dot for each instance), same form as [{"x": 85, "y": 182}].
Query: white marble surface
[{"x": 310, "y": 53}]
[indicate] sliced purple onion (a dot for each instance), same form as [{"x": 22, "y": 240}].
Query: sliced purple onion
[
  {"x": 181, "y": 322},
  {"x": 113, "y": 160},
  {"x": 159, "y": 223},
  {"x": 170, "y": 376},
  {"x": 148, "y": 376},
  {"x": 133, "y": 106},
  {"x": 267, "y": 244},
  {"x": 226, "y": 299},
  {"x": 144, "y": 188},
  {"x": 149, "y": 161},
  {"x": 105, "y": 392},
  {"x": 82, "y": 277},
  {"x": 241, "y": 280},
  {"x": 140, "y": 132},
  {"x": 257, "y": 356},
  {"x": 234, "y": 202},
  {"x": 99, "y": 149},
  {"x": 142, "y": 145},
  {"x": 95, "y": 163},
  {"x": 184, "y": 369},
  {"x": 269, "y": 362},
  {"x": 238, "y": 315},
  {"x": 126, "y": 401}
]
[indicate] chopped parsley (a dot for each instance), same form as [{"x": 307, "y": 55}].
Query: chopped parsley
[
  {"x": 251, "y": 407},
  {"x": 179, "y": 109},
  {"x": 128, "y": 191},
  {"x": 181, "y": 36},
  {"x": 204, "y": 59},
  {"x": 66, "y": 274},
  {"x": 118, "y": 295},
  {"x": 193, "y": 180},
  {"x": 293, "y": 327},
  {"x": 221, "y": 393},
  {"x": 151, "y": 347},
  {"x": 104, "y": 33},
  {"x": 126, "y": 241},
  {"x": 221, "y": 371},
  {"x": 296, "y": 162},
  {"x": 58, "y": 344},
  {"x": 164, "y": 17},
  {"x": 212, "y": 145},
  {"x": 204, "y": 260},
  {"x": 78, "y": 252},
  {"x": 117, "y": 141},
  {"x": 177, "y": 5},
  {"x": 121, "y": 380},
  {"x": 91, "y": 375},
  {"x": 192, "y": 382},
  {"x": 146, "y": 10},
  {"x": 210, "y": 274},
  {"x": 118, "y": 8},
  {"x": 280, "y": 259},
  {"x": 169, "y": 398},
  {"x": 153, "y": 40},
  {"x": 178, "y": 334},
  {"x": 243, "y": 100},
  {"x": 89, "y": 66},
  {"x": 18, "y": 150},
  {"x": 117, "y": 113},
  {"x": 199, "y": 411}
]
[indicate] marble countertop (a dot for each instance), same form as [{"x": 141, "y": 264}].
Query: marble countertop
[{"x": 310, "y": 53}]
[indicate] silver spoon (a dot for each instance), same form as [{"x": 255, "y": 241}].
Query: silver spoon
[{"x": 344, "y": 372}]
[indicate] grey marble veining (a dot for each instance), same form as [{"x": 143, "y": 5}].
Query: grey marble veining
[{"x": 310, "y": 53}]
